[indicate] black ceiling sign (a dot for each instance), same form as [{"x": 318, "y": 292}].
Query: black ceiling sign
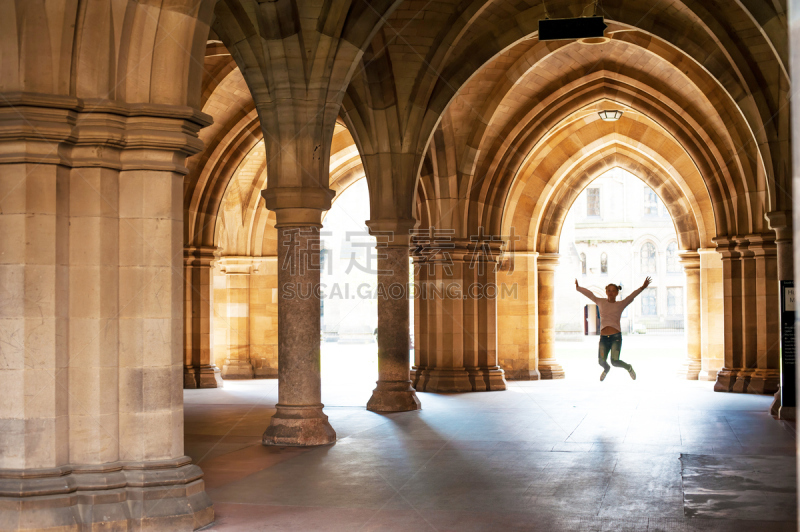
[{"x": 558, "y": 29}]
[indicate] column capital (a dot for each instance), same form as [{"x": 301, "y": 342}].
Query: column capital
[
  {"x": 239, "y": 265},
  {"x": 201, "y": 255},
  {"x": 781, "y": 223},
  {"x": 727, "y": 247},
  {"x": 690, "y": 260},
  {"x": 298, "y": 206},
  {"x": 760, "y": 244},
  {"x": 392, "y": 232},
  {"x": 547, "y": 261},
  {"x": 99, "y": 133}
]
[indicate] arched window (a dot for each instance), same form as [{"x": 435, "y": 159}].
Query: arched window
[
  {"x": 583, "y": 263},
  {"x": 673, "y": 266},
  {"x": 603, "y": 263},
  {"x": 650, "y": 202},
  {"x": 649, "y": 302},
  {"x": 648, "y": 258},
  {"x": 593, "y": 201}
]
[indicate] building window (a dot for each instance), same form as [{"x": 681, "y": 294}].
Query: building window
[
  {"x": 650, "y": 202},
  {"x": 673, "y": 266},
  {"x": 649, "y": 302},
  {"x": 583, "y": 263},
  {"x": 675, "y": 301},
  {"x": 593, "y": 202},
  {"x": 648, "y": 258},
  {"x": 604, "y": 263}
]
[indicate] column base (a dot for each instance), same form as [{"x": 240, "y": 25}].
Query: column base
[
  {"x": 299, "y": 426},
  {"x": 550, "y": 369},
  {"x": 152, "y": 495},
  {"x": 237, "y": 369},
  {"x": 787, "y": 413},
  {"x": 393, "y": 396},
  {"x": 726, "y": 378},
  {"x": 265, "y": 373},
  {"x": 742, "y": 381},
  {"x": 487, "y": 379},
  {"x": 202, "y": 377},
  {"x": 764, "y": 381},
  {"x": 775, "y": 407},
  {"x": 755, "y": 381},
  {"x": 708, "y": 375},
  {"x": 522, "y": 375},
  {"x": 456, "y": 380},
  {"x": 690, "y": 370}
]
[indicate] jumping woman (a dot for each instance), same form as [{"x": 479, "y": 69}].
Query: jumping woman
[{"x": 610, "y": 329}]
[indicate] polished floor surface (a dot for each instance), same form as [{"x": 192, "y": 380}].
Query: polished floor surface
[{"x": 652, "y": 454}]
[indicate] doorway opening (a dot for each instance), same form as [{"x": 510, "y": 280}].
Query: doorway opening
[
  {"x": 618, "y": 231},
  {"x": 348, "y": 306}
]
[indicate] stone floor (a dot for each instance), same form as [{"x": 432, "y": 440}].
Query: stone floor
[{"x": 576, "y": 454}]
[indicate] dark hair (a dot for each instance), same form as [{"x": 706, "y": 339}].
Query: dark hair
[{"x": 618, "y": 286}]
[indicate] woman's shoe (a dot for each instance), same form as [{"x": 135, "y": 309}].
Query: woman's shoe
[
  {"x": 603, "y": 376},
  {"x": 632, "y": 374}
]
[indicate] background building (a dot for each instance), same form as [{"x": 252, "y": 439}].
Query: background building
[{"x": 618, "y": 231}]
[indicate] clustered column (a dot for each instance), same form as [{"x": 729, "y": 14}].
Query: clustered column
[
  {"x": 691, "y": 267},
  {"x": 516, "y": 316},
  {"x": 91, "y": 268},
  {"x": 549, "y": 368},
  {"x": 456, "y": 317},
  {"x": 237, "y": 283},
  {"x": 751, "y": 342},
  {"x": 200, "y": 371},
  {"x": 393, "y": 392}
]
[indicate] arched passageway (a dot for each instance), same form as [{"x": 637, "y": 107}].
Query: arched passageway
[
  {"x": 472, "y": 134},
  {"x": 618, "y": 231}
]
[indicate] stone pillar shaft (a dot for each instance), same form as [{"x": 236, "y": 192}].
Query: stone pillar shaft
[
  {"x": 299, "y": 419},
  {"x": 549, "y": 368},
  {"x": 691, "y": 267},
  {"x": 34, "y": 324},
  {"x": 712, "y": 320},
  {"x": 516, "y": 316},
  {"x": 237, "y": 283},
  {"x": 781, "y": 223},
  {"x": 394, "y": 392},
  {"x": 200, "y": 370}
]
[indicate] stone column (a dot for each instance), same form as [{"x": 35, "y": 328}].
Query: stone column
[
  {"x": 439, "y": 350},
  {"x": 781, "y": 223},
  {"x": 299, "y": 419},
  {"x": 393, "y": 392},
  {"x": 237, "y": 280},
  {"x": 549, "y": 368},
  {"x": 712, "y": 323},
  {"x": 691, "y": 267},
  {"x": 751, "y": 321},
  {"x": 749, "y": 318},
  {"x": 199, "y": 371},
  {"x": 91, "y": 276},
  {"x": 481, "y": 356},
  {"x": 765, "y": 376},
  {"x": 732, "y": 312},
  {"x": 456, "y": 312},
  {"x": 516, "y": 316}
]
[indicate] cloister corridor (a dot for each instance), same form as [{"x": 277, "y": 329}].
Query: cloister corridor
[
  {"x": 657, "y": 453},
  {"x": 185, "y": 183}
]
